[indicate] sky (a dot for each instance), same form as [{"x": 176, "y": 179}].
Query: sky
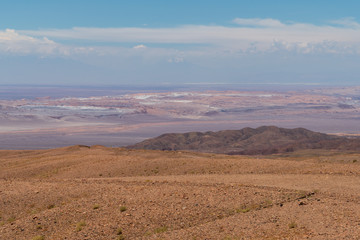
[{"x": 108, "y": 42}]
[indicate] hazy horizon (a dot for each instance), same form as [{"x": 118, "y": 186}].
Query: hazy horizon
[{"x": 32, "y": 91}]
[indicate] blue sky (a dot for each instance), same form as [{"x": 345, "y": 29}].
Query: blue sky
[{"x": 161, "y": 42}]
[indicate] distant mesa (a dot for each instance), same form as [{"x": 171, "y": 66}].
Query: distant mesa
[{"x": 250, "y": 141}]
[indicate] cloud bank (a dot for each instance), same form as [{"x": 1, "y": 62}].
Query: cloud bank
[
  {"x": 259, "y": 22},
  {"x": 13, "y": 42},
  {"x": 246, "y": 50},
  {"x": 252, "y": 35}
]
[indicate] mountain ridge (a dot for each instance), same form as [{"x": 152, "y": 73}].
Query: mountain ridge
[{"x": 249, "y": 141}]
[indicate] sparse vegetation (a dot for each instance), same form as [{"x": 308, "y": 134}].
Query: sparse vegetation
[
  {"x": 80, "y": 225},
  {"x": 11, "y": 219},
  {"x": 292, "y": 225},
  {"x": 123, "y": 208},
  {"x": 228, "y": 238},
  {"x": 120, "y": 236},
  {"x": 268, "y": 202},
  {"x": 243, "y": 210},
  {"x": 119, "y": 231},
  {"x": 161, "y": 229},
  {"x": 148, "y": 233},
  {"x": 96, "y": 206},
  {"x": 304, "y": 194},
  {"x": 38, "y": 238},
  {"x": 156, "y": 171},
  {"x": 51, "y": 206},
  {"x": 34, "y": 211}
]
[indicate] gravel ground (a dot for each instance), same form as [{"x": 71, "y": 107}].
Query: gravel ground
[{"x": 103, "y": 193}]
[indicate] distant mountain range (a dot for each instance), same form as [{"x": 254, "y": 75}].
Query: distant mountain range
[{"x": 250, "y": 141}]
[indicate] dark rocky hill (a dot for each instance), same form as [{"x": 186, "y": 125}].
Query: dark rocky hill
[{"x": 262, "y": 140}]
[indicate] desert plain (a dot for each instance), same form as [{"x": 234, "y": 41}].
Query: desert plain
[
  {"x": 82, "y": 192},
  {"x": 58, "y": 117}
]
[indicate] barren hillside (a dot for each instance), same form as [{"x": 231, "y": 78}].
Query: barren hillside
[
  {"x": 261, "y": 140},
  {"x": 82, "y": 192}
]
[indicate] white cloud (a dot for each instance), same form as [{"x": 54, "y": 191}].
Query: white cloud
[
  {"x": 13, "y": 42},
  {"x": 141, "y": 46},
  {"x": 235, "y": 37},
  {"x": 253, "y": 35},
  {"x": 259, "y": 22},
  {"x": 347, "y": 22}
]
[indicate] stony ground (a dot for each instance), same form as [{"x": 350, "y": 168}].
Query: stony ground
[{"x": 102, "y": 193}]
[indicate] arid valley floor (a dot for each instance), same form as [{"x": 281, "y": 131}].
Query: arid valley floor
[
  {"x": 95, "y": 192},
  {"x": 62, "y": 117}
]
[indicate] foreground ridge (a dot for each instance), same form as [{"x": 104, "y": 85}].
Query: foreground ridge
[{"x": 80, "y": 192}]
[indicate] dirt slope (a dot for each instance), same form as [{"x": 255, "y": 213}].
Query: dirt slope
[{"x": 84, "y": 192}]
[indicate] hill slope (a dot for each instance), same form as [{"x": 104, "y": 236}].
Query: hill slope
[
  {"x": 262, "y": 140},
  {"x": 98, "y": 193}
]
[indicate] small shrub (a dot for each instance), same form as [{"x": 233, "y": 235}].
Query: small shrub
[
  {"x": 34, "y": 211},
  {"x": 123, "y": 208},
  {"x": 243, "y": 210},
  {"x": 120, "y": 237},
  {"x": 96, "y": 206},
  {"x": 11, "y": 219},
  {"x": 161, "y": 229},
  {"x": 119, "y": 231},
  {"x": 38, "y": 238},
  {"x": 303, "y": 195},
  {"x": 354, "y": 161},
  {"x": 148, "y": 233},
  {"x": 268, "y": 202},
  {"x": 51, "y": 206},
  {"x": 80, "y": 225},
  {"x": 292, "y": 225},
  {"x": 120, "y": 234}
]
